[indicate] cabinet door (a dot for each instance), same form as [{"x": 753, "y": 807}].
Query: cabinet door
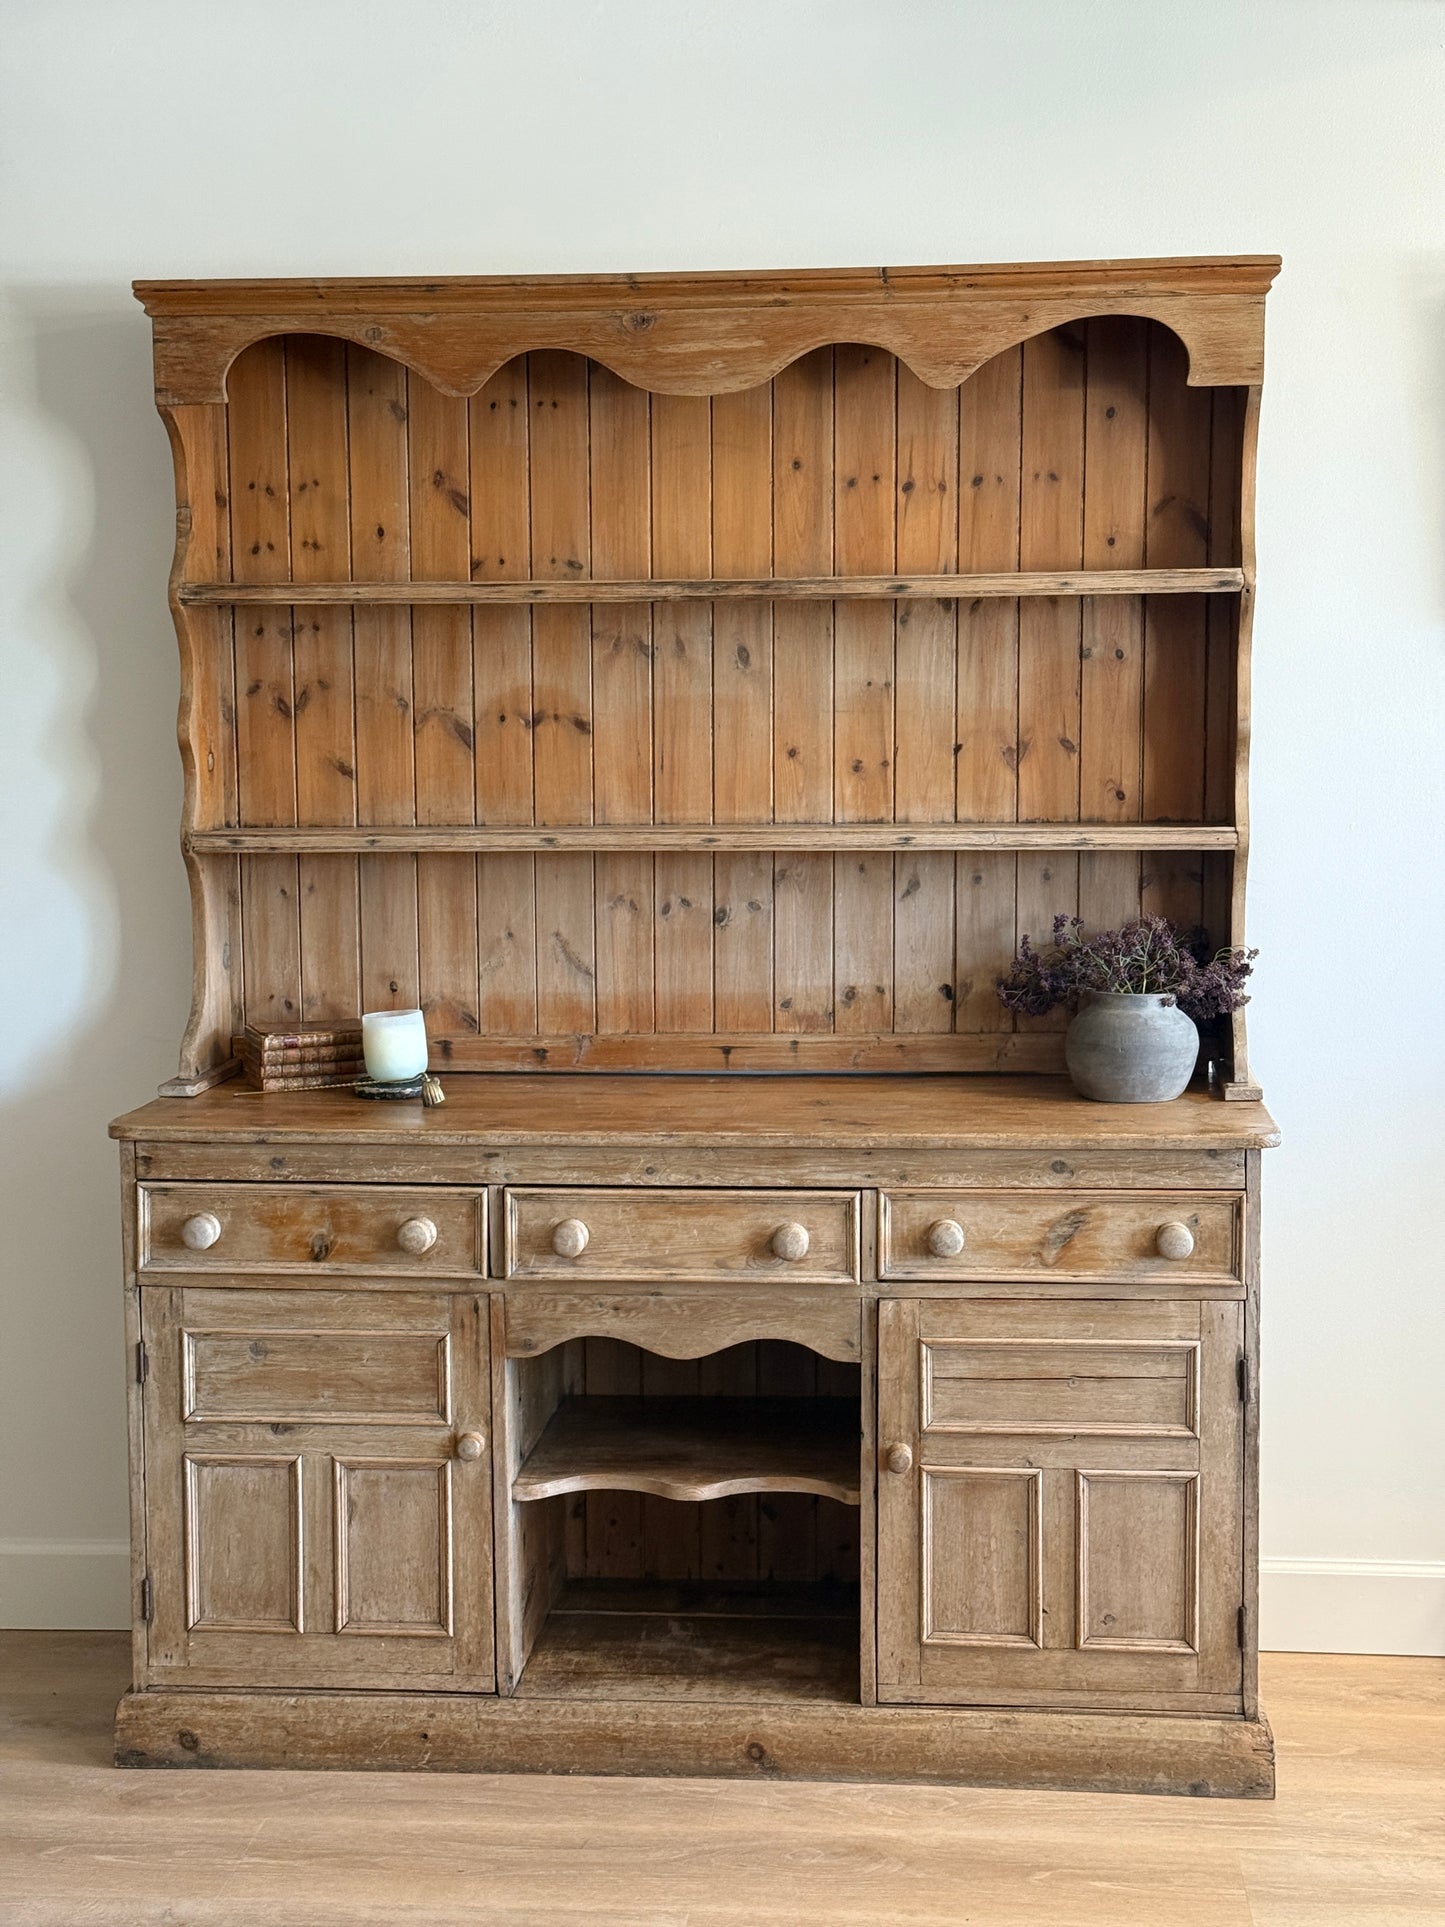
[
  {"x": 318, "y": 1488},
  {"x": 1060, "y": 1504}
]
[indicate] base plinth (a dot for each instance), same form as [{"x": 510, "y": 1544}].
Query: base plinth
[{"x": 458, "y": 1733}]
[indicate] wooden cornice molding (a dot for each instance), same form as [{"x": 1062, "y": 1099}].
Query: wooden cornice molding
[{"x": 711, "y": 333}]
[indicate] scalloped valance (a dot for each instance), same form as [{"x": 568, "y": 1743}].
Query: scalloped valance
[{"x": 695, "y": 334}]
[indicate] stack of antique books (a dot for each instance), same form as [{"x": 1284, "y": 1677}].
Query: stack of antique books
[{"x": 312, "y": 1057}]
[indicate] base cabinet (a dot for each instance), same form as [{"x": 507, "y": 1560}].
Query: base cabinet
[
  {"x": 317, "y": 1488},
  {"x": 749, "y": 1519},
  {"x": 1060, "y": 1504}
]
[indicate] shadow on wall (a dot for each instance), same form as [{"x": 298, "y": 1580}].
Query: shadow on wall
[{"x": 101, "y": 930}]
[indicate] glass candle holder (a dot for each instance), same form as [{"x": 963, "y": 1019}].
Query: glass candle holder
[{"x": 393, "y": 1043}]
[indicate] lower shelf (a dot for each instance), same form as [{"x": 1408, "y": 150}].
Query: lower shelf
[{"x": 618, "y": 1640}]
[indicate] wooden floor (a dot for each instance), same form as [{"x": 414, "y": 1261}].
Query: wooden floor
[{"x": 1356, "y": 1838}]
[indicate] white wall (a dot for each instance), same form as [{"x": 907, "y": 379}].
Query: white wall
[{"x": 185, "y": 137}]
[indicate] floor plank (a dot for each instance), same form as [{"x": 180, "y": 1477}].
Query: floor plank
[{"x": 1354, "y": 1840}]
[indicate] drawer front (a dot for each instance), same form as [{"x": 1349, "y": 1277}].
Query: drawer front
[
  {"x": 1149, "y": 1236},
  {"x": 337, "y": 1229},
  {"x": 678, "y": 1235}
]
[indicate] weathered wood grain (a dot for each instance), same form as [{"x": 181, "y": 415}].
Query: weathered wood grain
[
  {"x": 1099, "y": 1752},
  {"x": 864, "y": 520},
  {"x": 206, "y": 732},
  {"x": 735, "y": 836},
  {"x": 682, "y": 924},
  {"x": 617, "y": 730},
  {"x": 259, "y": 494},
  {"x": 695, "y": 1448},
  {"x": 677, "y": 1324},
  {"x": 707, "y": 334},
  {"x": 444, "y": 722},
  {"x": 945, "y": 586},
  {"x": 742, "y": 706},
  {"x": 323, "y": 679},
  {"x": 385, "y": 739},
  {"x": 925, "y": 701},
  {"x": 622, "y": 653},
  {"x": 889, "y": 1114},
  {"x": 562, "y": 692}
]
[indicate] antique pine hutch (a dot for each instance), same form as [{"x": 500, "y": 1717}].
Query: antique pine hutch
[{"x": 687, "y": 688}]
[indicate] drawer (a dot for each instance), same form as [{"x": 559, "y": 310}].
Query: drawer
[
  {"x": 341, "y": 1229},
  {"x": 803, "y": 1237},
  {"x": 963, "y": 1235}
]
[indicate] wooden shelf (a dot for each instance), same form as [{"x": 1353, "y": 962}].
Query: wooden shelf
[
  {"x": 691, "y": 1640},
  {"x": 823, "y": 588},
  {"x": 463, "y": 838},
  {"x": 696, "y": 1448}
]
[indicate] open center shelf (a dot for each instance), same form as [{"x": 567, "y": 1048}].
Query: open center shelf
[{"x": 696, "y": 1448}]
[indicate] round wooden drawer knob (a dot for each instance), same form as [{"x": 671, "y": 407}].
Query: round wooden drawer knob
[
  {"x": 1174, "y": 1241},
  {"x": 416, "y": 1236},
  {"x": 201, "y": 1232},
  {"x": 900, "y": 1458},
  {"x": 569, "y": 1240},
  {"x": 470, "y": 1446},
  {"x": 790, "y": 1241},
  {"x": 946, "y": 1238}
]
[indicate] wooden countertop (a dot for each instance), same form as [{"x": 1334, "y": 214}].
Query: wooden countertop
[{"x": 941, "y": 1113}]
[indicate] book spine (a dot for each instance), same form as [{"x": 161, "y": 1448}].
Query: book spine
[
  {"x": 312, "y": 1061},
  {"x": 328, "y": 1054},
  {"x": 326, "y": 1082},
  {"x": 326, "y": 1043}
]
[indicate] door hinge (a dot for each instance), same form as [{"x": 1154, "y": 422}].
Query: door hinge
[
  {"x": 142, "y": 1362},
  {"x": 1240, "y": 1625},
  {"x": 147, "y": 1599},
  {"x": 1241, "y": 1373}
]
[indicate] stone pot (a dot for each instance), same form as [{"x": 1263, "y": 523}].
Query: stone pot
[{"x": 1128, "y": 1048}]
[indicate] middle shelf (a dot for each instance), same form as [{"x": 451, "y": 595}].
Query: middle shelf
[
  {"x": 312, "y": 840},
  {"x": 696, "y": 1448},
  {"x": 1003, "y": 583}
]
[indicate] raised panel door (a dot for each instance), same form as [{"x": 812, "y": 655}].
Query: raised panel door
[
  {"x": 1060, "y": 1503},
  {"x": 318, "y": 1488}
]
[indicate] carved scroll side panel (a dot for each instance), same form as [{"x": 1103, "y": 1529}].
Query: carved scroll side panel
[{"x": 206, "y": 730}]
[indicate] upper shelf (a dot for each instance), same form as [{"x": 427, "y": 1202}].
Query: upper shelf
[
  {"x": 822, "y": 588},
  {"x": 401, "y": 839}
]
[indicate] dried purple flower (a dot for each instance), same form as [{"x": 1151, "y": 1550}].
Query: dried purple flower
[{"x": 1151, "y": 954}]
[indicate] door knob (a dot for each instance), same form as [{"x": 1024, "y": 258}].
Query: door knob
[
  {"x": 470, "y": 1446},
  {"x": 569, "y": 1239},
  {"x": 946, "y": 1238},
  {"x": 900, "y": 1458},
  {"x": 1174, "y": 1241},
  {"x": 201, "y": 1232},
  {"x": 416, "y": 1236},
  {"x": 790, "y": 1241}
]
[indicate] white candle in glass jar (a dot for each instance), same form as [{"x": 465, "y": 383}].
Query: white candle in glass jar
[{"x": 393, "y": 1043}]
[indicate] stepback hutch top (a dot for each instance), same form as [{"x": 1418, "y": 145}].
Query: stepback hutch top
[{"x": 661, "y": 678}]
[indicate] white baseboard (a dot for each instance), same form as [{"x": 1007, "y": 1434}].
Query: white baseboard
[
  {"x": 1305, "y": 1605},
  {"x": 1352, "y": 1605},
  {"x": 71, "y": 1585}
]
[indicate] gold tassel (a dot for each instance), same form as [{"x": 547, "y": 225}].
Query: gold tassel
[{"x": 432, "y": 1093}]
